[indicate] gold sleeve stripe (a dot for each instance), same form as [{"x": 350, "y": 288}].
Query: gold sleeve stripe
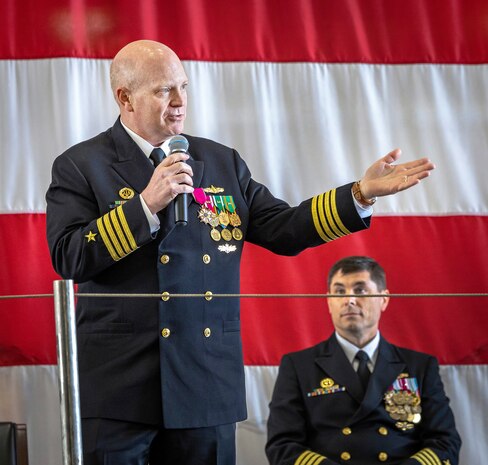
[
  {"x": 316, "y": 220},
  {"x": 343, "y": 230},
  {"x": 118, "y": 230},
  {"x": 330, "y": 209},
  {"x": 309, "y": 458},
  {"x": 326, "y": 218},
  {"x": 324, "y": 214},
  {"x": 427, "y": 457},
  {"x": 106, "y": 240},
  {"x": 115, "y": 233},
  {"x": 125, "y": 226},
  {"x": 111, "y": 233}
]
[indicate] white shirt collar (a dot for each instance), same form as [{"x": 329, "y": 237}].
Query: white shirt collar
[
  {"x": 143, "y": 144},
  {"x": 371, "y": 348}
]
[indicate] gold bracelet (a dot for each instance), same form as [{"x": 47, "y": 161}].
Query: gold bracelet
[{"x": 358, "y": 195}]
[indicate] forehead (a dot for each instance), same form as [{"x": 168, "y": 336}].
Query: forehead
[
  {"x": 153, "y": 73},
  {"x": 352, "y": 279},
  {"x": 169, "y": 70}
]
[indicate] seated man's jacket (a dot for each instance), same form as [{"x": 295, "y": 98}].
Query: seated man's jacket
[{"x": 318, "y": 413}]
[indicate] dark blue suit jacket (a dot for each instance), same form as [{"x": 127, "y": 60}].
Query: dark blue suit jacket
[
  {"x": 177, "y": 361},
  {"x": 309, "y": 424}
]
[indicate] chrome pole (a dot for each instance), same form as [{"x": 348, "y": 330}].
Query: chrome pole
[{"x": 64, "y": 308}]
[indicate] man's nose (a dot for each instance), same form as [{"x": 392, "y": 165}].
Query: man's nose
[
  {"x": 350, "y": 299},
  {"x": 177, "y": 99}
]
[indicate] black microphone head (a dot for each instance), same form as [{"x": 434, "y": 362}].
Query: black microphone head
[{"x": 178, "y": 143}]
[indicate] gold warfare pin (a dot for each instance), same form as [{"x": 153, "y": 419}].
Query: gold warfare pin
[{"x": 126, "y": 193}]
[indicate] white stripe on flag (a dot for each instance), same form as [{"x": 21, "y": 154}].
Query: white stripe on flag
[{"x": 347, "y": 116}]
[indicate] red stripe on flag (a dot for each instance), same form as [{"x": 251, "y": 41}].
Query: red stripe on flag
[
  {"x": 27, "y": 329},
  {"x": 376, "y": 31},
  {"x": 420, "y": 255}
]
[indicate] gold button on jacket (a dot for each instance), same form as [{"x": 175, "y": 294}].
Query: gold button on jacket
[{"x": 165, "y": 332}]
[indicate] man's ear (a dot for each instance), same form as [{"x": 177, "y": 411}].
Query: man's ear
[
  {"x": 124, "y": 98},
  {"x": 386, "y": 299}
]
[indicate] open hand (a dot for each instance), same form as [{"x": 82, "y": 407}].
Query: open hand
[{"x": 384, "y": 178}]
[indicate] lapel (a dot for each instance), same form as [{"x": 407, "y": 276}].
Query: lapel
[
  {"x": 131, "y": 163},
  {"x": 388, "y": 366},
  {"x": 334, "y": 362}
]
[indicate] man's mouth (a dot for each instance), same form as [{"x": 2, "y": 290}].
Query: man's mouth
[{"x": 351, "y": 313}]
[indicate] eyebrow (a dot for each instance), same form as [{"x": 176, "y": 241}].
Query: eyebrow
[{"x": 354, "y": 284}]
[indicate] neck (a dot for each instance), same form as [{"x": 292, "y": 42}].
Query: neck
[{"x": 359, "y": 340}]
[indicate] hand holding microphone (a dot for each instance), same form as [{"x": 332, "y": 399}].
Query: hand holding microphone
[
  {"x": 179, "y": 144},
  {"x": 170, "y": 181}
]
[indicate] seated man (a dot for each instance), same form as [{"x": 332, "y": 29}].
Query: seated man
[{"x": 355, "y": 398}]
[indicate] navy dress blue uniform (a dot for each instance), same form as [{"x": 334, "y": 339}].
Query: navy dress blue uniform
[
  {"x": 174, "y": 362},
  {"x": 319, "y": 414}
]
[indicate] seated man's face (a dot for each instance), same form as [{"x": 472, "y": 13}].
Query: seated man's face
[{"x": 357, "y": 315}]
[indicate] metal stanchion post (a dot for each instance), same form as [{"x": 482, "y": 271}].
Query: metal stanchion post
[{"x": 64, "y": 306}]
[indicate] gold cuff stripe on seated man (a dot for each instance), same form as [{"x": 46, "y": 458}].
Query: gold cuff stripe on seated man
[
  {"x": 326, "y": 218},
  {"x": 309, "y": 458},
  {"x": 427, "y": 457},
  {"x": 116, "y": 234}
]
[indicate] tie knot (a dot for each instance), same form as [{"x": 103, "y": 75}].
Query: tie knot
[
  {"x": 362, "y": 356},
  {"x": 157, "y": 156}
]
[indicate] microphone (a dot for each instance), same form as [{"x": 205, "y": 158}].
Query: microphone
[{"x": 180, "y": 144}]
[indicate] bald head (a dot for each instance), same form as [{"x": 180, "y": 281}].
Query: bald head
[
  {"x": 149, "y": 85},
  {"x": 134, "y": 62}
]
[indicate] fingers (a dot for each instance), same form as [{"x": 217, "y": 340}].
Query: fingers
[
  {"x": 411, "y": 180},
  {"x": 418, "y": 172},
  {"x": 174, "y": 158},
  {"x": 393, "y": 156},
  {"x": 422, "y": 163},
  {"x": 170, "y": 178},
  {"x": 182, "y": 183},
  {"x": 172, "y": 165}
]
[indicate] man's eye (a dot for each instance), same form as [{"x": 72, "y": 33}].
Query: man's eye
[{"x": 360, "y": 291}]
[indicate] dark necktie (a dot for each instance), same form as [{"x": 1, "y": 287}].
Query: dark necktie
[
  {"x": 363, "y": 370},
  {"x": 157, "y": 156}
]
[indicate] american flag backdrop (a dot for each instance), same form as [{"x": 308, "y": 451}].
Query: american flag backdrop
[{"x": 310, "y": 92}]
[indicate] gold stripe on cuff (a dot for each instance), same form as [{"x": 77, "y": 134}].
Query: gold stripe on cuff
[
  {"x": 125, "y": 227},
  {"x": 326, "y": 218},
  {"x": 342, "y": 230},
  {"x": 106, "y": 239},
  {"x": 111, "y": 233},
  {"x": 309, "y": 458},
  {"x": 427, "y": 457},
  {"x": 120, "y": 234},
  {"x": 116, "y": 233}
]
